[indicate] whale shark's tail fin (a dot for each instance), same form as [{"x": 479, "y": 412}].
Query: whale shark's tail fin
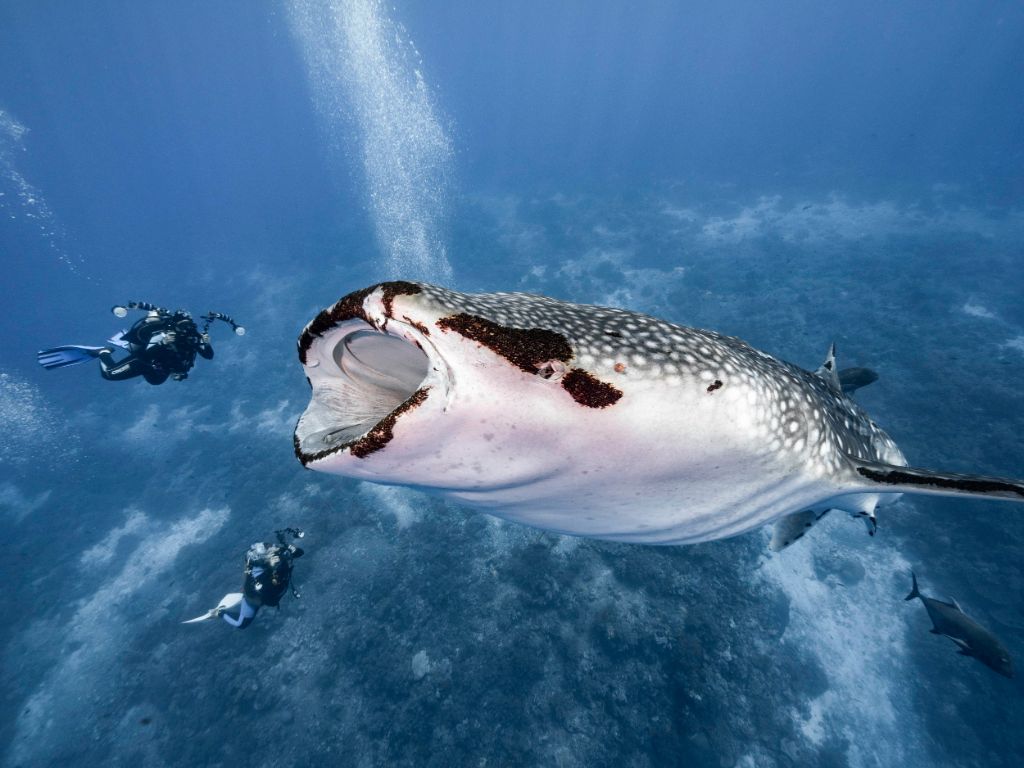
[
  {"x": 913, "y": 592},
  {"x": 888, "y": 477}
]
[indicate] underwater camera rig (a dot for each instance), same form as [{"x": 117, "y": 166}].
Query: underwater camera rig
[
  {"x": 121, "y": 310},
  {"x": 297, "y": 533}
]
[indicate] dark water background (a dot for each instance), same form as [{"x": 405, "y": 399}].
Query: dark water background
[{"x": 792, "y": 173}]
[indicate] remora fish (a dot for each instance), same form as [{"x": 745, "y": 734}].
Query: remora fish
[
  {"x": 591, "y": 421},
  {"x": 973, "y": 639},
  {"x": 852, "y": 379}
]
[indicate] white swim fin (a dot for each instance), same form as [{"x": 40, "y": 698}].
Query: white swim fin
[
  {"x": 226, "y": 603},
  {"x": 118, "y": 339}
]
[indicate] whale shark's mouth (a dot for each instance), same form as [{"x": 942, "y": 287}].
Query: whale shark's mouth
[{"x": 362, "y": 379}]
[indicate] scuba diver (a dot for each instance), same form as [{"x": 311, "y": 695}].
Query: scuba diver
[
  {"x": 161, "y": 345},
  {"x": 268, "y": 575}
]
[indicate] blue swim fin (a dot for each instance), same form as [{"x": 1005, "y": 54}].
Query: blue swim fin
[{"x": 60, "y": 357}]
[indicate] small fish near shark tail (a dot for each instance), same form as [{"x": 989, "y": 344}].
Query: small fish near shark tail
[
  {"x": 847, "y": 380},
  {"x": 913, "y": 592},
  {"x": 879, "y": 476},
  {"x": 852, "y": 379}
]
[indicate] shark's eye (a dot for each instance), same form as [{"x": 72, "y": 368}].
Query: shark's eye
[{"x": 373, "y": 373}]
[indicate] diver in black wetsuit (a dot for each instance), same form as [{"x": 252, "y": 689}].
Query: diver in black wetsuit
[
  {"x": 162, "y": 345},
  {"x": 268, "y": 574}
]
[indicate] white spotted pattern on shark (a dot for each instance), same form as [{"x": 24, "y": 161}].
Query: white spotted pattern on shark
[{"x": 591, "y": 420}]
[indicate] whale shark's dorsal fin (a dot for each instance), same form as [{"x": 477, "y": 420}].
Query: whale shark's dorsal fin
[
  {"x": 878, "y": 476},
  {"x": 828, "y": 372}
]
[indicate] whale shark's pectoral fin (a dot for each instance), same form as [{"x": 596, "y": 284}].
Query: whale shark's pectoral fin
[
  {"x": 863, "y": 506},
  {"x": 827, "y": 370},
  {"x": 859, "y": 505},
  {"x": 794, "y": 526},
  {"x": 889, "y": 478}
]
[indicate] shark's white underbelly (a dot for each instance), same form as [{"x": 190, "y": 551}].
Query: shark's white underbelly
[{"x": 625, "y": 473}]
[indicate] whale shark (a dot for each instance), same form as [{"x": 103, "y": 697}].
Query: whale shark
[{"x": 593, "y": 421}]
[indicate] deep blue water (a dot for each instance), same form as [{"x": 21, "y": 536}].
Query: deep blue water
[{"x": 792, "y": 173}]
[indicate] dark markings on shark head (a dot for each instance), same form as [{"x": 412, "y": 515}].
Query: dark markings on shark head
[
  {"x": 533, "y": 350},
  {"x": 397, "y": 288},
  {"x": 349, "y": 307},
  {"x": 383, "y": 432},
  {"x": 716, "y": 385},
  {"x": 588, "y": 390},
  {"x": 526, "y": 348},
  {"x": 418, "y": 326},
  {"x": 346, "y": 308}
]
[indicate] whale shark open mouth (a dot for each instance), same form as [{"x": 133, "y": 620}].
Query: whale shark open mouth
[{"x": 362, "y": 379}]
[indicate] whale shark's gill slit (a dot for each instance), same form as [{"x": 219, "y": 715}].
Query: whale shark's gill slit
[{"x": 374, "y": 378}]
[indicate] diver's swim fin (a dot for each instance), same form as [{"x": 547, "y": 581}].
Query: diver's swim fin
[
  {"x": 226, "y": 603},
  {"x": 60, "y": 357}
]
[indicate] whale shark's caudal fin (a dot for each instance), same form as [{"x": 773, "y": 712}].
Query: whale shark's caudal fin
[{"x": 888, "y": 477}]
